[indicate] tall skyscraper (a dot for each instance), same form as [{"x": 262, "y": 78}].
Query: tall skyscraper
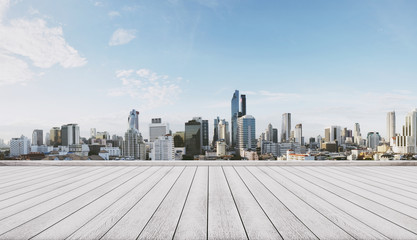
[
  {"x": 390, "y": 126},
  {"x": 286, "y": 127},
  {"x": 133, "y": 119},
  {"x": 93, "y": 132},
  {"x": 298, "y": 134},
  {"x": 133, "y": 145},
  {"x": 55, "y": 136},
  {"x": 234, "y": 114},
  {"x": 275, "y": 135},
  {"x": 163, "y": 149},
  {"x": 357, "y": 137},
  {"x": 70, "y": 134},
  {"x": 247, "y": 132},
  {"x": 243, "y": 104},
  {"x": 37, "y": 137},
  {"x": 224, "y": 131},
  {"x": 215, "y": 131},
  {"x": 205, "y": 132},
  {"x": 269, "y": 133},
  {"x": 406, "y": 142},
  {"x": 157, "y": 129},
  {"x": 193, "y": 137},
  {"x": 373, "y": 139}
]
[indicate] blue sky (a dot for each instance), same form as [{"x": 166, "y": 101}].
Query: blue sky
[{"x": 91, "y": 62}]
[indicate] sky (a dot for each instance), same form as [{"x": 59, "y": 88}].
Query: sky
[{"x": 91, "y": 61}]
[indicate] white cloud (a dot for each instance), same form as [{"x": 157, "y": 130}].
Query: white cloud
[
  {"x": 114, "y": 14},
  {"x": 22, "y": 40},
  {"x": 154, "y": 89},
  {"x": 98, "y": 4},
  {"x": 122, "y": 36}
]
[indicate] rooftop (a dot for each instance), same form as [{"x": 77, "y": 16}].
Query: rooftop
[{"x": 201, "y": 200}]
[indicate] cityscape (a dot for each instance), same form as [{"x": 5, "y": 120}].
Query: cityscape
[{"x": 234, "y": 139}]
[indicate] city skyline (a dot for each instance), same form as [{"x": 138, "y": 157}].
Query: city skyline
[{"x": 325, "y": 63}]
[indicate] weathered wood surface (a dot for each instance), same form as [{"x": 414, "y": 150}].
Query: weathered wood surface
[{"x": 223, "y": 201}]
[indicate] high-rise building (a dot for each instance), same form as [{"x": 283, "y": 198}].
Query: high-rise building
[
  {"x": 298, "y": 134},
  {"x": 193, "y": 137},
  {"x": 205, "y": 132},
  {"x": 70, "y": 134},
  {"x": 243, "y": 104},
  {"x": 286, "y": 127},
  {"x": 19, "y": 146},
  {"x": 269, "y": 133},
  {"x": 235, "y": 115},
  {"x": 247, "y": 133},
  {"x": 133, "y": 145},
  {"x": 179, "y": 138},
  {"x": 93, "y": 132},
  {"x": 390, "y": 126},
  {"x": 37, "y": 137},
  {"x": 373, "y": 139},
  {"x": 275, "y": 135},
  {"x": 55, "y": 136},
  {"x": 163, "y": 149},
  {"x": 406, "y": 142},
  {"x": 224, "y": 131},
  {"x": 157, "y": 129},
  {"x": 215, "y": 131},
  {"x": 357, "y": 137}
]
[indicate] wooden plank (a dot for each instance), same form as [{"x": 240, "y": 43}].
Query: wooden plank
[
  {"x": 344, "y": 220},
  {"x": 69, "y": 213},
  {"x": 12, "y": 170},
  {"x": 21, "y": 194},
  {"x": 380, "y": 175},
  {"x": 321, "y": 226},
  {"x": 43, "y": 174},
  {"x": 255, "y": 220},
  {"x": 101, "y": 223},
  {"x": 381, "y": 210},
  {"x": 223, "y": 217},
  {"x": 369, "y": 187},
  {"x": 164, "y": 221},
  {"x": 377, "y": 180},
  {"x": 27, "y": 187},
  {"x": 394, "y": 172},
  {"x": 130, "y": 225},
  {"x": 17, "y": 214},
  {"x": 193, "y": 221},
  {"x": 287, "y": 224}
]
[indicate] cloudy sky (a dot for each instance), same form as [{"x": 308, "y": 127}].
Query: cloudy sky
[{"x": 91, "y": 62}]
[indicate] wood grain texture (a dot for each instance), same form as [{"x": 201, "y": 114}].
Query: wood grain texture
[
  {"x": 256, "y": 222},
  {"x": 193, "y": 221}
]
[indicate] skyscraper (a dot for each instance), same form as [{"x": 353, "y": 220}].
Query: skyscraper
[
  {"x": 373, "y": 139},
  {"x": 193, "y": 137},
  {"x": 390, "y": 126},
  {"x": 133, "y": 145},
  {"x": 157, "y": 129},
  {"x": 133, "y": 119},
  {"x": 215, "y": 131},
  {"x": 224, "y": 131},
  {"x": 93, "y": 132},
  {"x": 406, "y": 142},
  {"x": 243, "y": 104},
  {"x": 19, "y": 146},
  {"x": 234, "y": 114},
  {"x": 70, "y": 134},
  {"x": 286, "y": 127},
  {"x": 275, "y": 135},
  {"x": 269, "y": 134},
  {"x": 37, "y": 137},
  {"x": 205, "y": 132},
  {"x": 298, "y": 134},
  {"x": 55, "y": 136},
  {"x": 247, "y": 133}
]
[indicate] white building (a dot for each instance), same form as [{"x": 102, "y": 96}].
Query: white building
[
  {"x": 221, "y": 148},
  {"x": 163, "y": 149},
  {"x": 298, "y": 134},
  {"x": 93, "y": 132},
  {"x": 406, "y": 142},
  {"x": 373, "y": 140},
  {"x": 157, "y": 129},
  {"x": 19, "y": 146},
  {"x": 390, "y": 126},
  {"x": 357, "y": 137},
  {"x": 247, "y": 132},
  {"x": 270, "y": 147},
  {"x": 113, "y": 151},
  {"x": 42, "y": 149},
  {"x": 70, "y": 134},
  {"x": 223, "y": 131}
]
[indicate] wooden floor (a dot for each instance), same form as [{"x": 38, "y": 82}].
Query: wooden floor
[{"x": 208, "y": 202}]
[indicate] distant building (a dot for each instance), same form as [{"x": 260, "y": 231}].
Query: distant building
[
  {"x": 286, "y": 127},
  {"x": 55, "y": 136},
  {"x": 390, "y": 126},
  {"x": 37, "y": 137},
  {"x": 221, "y": 148},
  {"x": 133, "y": 119},
  {"x": 70, "y": 134},
  {"x": 93, "y": 132},
  {"x": 193, "y": 137},
  {"x": 357, "y": 137},
  {"x": 215, "y": 131},
  {"x": 163, "y": 149},
  {"x": 224, "y": 131},
  {"x": 243, "y": 104},
  {"x": 133, "y": 145},
  {"x": 406, "y": 142},
  {"x": 269, "y": 133},
  {"x": 247, "y": 133},
  {"x": 275, "y": 135},
  {"x": 19, "y": 146},
  {"x": 298, "y": 134},
  {"x": 373, "y": 139},
  {"x": 333, "y": 134},
  {"x": 157, "y": 129},
  {"x": 235, "y": 115}
]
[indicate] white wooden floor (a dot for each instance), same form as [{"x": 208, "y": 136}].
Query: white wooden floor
[{"x": 208, "y": 202}]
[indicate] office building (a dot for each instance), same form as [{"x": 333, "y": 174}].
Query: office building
[
  {"x": 406, "y": 142},
  {"x": 70, "y": 134},
  {"x": 298, "y": 134},
  {"x": 275, "y": 135},
  {"x": 243, "y": 105},
  {"x": 235, "y": 115},
  {"x": 37, "y": 137},
  {"x": 55, "y": 136},
  {"x": 224, "y": 131},
  {"x": 357, "y": 137},
  {"x": 133, "y": 145},
  {"x": 269, "y": 133},
  {"x": 286, "y": 127},
  {"x": 333, "y": 134},
  {"x": 19, "y": 146},
  {"x": 93, "y": 132},
  {"x": 157, "y": 129},
  {"x": 373, "y": 139},
  {"x": 390, "y": 126},
  {"x": 215, "y": 131},
  {"x": 221, "y": 148},
  {"x": 247, "y": 133},
  {"x": 179, "y": 139},
  {"x": 133, "y": 119},
  {"x": 193, "y": 137},
  {"x": 163, "y": 149},
  {"x": 205, "y": 132}
]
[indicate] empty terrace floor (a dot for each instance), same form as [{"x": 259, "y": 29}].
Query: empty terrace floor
[{"x": 208, "y": 200}]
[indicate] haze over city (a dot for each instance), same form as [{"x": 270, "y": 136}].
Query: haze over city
[{"x": 91, "y": 62}]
